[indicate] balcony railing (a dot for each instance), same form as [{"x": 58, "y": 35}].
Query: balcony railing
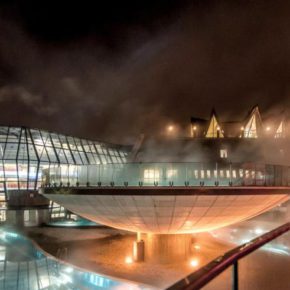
[
  {"x": 167, "y": 174},
  {"x": 206, "y": 274}
]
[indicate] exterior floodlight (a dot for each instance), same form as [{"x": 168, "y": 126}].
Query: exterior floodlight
[
  {"x": 194, "y": 263},
  {"x": 128, "y": 260},
  {"x": 170, "y": 128}
]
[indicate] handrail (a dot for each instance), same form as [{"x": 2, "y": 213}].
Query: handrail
[
  {"x": 203, "y": 276},
  {"x": 168, "y": 174}
]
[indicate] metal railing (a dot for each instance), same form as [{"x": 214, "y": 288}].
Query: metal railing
[
  {"x": 167, "y": 174},
  {"x": 206, "y": 274}
]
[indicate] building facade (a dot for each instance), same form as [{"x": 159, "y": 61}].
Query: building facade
[{"x": 25, "y": 152}]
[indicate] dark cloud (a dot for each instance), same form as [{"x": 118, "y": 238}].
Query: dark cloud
[{"x": 128, "y": 67}]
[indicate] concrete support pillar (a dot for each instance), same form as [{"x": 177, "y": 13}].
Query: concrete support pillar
[
  {"x": 43, "y": 216},
  {"x": 166, "y": 248},
  {"x": 19, "y": 218},
  {"x": 138, "y": 251}
]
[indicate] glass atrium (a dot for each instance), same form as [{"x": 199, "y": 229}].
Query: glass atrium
[{"x": 24, "y": 152}]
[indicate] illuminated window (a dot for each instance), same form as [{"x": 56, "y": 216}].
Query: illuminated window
[
  {"x": 196, "y": 174},
  {"x": 253, "y": 124},
  {"x": 171, "y": 173},
  {"x": 251, "y": 128},
  {"x": 224, "y": 153},
  {"x": 26, "y": 215},
  {"x": 214, "y": 129},
  {"x": 202, "y": 174},
  {"x": 151, "y": 174},
  {"x": 253, "y": 174},
  {"x": 215, "y": 173},
  {"x": 222, "y": 174},
  {"x": 228, "y": 173},
  {"x": 234, "y": 174},
  {"x": 259, "y": 175},
  {"x": 208, "y": 173},
  {"x": 3, "y": 215},
  {"x": 241, "y": 172}
]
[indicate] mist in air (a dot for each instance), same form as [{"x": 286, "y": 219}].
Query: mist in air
[{"x": 119, "y": 70}]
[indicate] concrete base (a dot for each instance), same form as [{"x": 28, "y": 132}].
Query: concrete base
[
  {"x": 27, "y": 217},
  {"x": 24, "y": 198},
  {"x": 166, "y": 249}
]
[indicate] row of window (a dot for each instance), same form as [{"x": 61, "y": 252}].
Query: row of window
[{"x": 205, "y": 174}]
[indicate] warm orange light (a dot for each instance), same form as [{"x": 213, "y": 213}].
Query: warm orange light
[
  {"x": 194, "y": 128},
  {"x": 193, "y": 224},
  {"x": 197, "y": 247},
  {"x": 194, "y": 263},
  {"x": 268, "y": 128},
  {"x": 128, "y": 260},
  {"x": 170, "y": 128},
  {"x": 242, "y": 128}
]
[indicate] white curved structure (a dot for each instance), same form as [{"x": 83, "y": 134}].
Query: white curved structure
[{"x": 168, "y": 214}]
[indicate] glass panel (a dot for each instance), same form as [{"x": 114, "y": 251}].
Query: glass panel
[
  {"x": 23, "y": 175},
  {"x": 14, "y": 134},
  {"x": 32, "y": 155},
  {"x": 183, "y": 174},
  {"x": 41, "y": 152},
  {"x": 55, "y": 140},
  {"x": 69, "y": 156},
  {"x": 10, "y": 151},
  {"x": 221, "y": 282},
  {"x": 10, "y": 170},
  {"x": 91, "y": 158},
  {"x": 61, "y": 155},
  {"x": 77, "y": 157}
]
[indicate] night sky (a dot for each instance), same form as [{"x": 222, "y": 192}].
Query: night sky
[{"x": 112, "y": 71}]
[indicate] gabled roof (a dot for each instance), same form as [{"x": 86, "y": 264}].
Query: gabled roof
[
  {"x": 251, "y": 127},
  {"x": 214, "y": 129},
  {"x": 253, "y": 124}
]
